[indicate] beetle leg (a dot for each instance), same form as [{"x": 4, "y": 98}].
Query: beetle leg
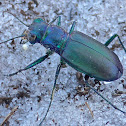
[
  {"x": 59, "y": 20},
  {"x": 112, "y": 38},
  {"x": 56, "y": 77},
  {"x": 72, "y": 27},
  {"x": 86, "y": 81},
  {"x": 41, "y": 59}
]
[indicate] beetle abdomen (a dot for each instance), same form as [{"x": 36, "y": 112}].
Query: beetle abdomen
[{"x": 92, "y": 58}]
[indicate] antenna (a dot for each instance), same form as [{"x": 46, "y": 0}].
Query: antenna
[{"x": 17, "y": 18}]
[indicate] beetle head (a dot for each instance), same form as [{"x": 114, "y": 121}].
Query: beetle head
[
  {"x": 35, "y": 32},
  {"x": 28, "y": 37}
]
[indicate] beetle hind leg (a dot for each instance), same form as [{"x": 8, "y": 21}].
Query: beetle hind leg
[
  {"x": 88, "y": 85},
  {"x": 112, "y": 38}
]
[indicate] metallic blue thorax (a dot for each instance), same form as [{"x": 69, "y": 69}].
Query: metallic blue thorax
[{"x": 50, "y": 36}]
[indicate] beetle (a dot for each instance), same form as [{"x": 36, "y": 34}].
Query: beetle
[{"x": 78, "y": 50}]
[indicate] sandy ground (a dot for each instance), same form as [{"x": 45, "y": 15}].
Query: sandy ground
[{"x": 31, "y": 89}]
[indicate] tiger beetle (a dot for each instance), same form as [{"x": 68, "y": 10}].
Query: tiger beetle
[{"x": 78, "y": 50}]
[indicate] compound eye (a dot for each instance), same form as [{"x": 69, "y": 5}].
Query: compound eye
[
  {"x": 31, "y": 38},
  {"x": 25, "y": 37}
]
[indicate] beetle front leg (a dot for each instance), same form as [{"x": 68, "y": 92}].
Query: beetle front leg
[
  {"x": 87, "y": 84},
  {"x": 41, "y": 59},
  {"x": 56, "y": 77},
  {"x": 59, "y": 21},
  {"x": 112, "y": 38}
]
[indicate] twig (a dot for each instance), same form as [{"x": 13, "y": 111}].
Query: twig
[
  {"x": 89, "y": 109},
  {"x": 9, "y": 115}
]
